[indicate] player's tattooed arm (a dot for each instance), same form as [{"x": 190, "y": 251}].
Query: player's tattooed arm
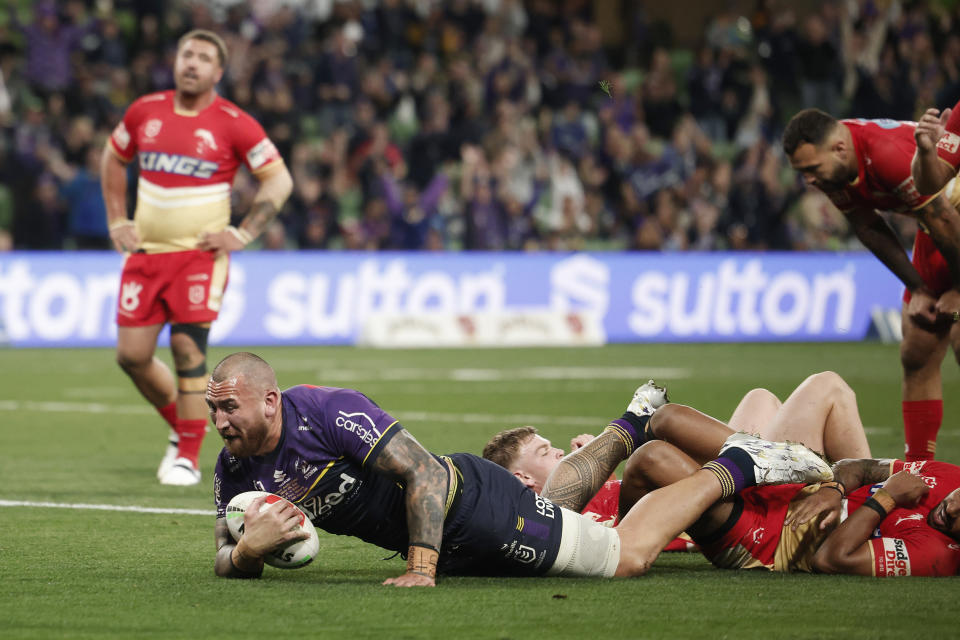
[
  {"x": 274, "y": 190},
  {"x": 425, "y": 487},
  {"x": 857, "y": 472},
  {"x": 231, "y": 562},
  {"x": 580, "y": 475}
]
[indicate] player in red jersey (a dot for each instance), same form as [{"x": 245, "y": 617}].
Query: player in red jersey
[
  {"x": 189, "y": 144},
  {"x": 820, "y": 413},
  {"x": 863, "y": 166},
  {"x": 908, "y": 526}
]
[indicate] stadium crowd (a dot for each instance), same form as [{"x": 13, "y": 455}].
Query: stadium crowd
[{"x": 476, "y": 124}]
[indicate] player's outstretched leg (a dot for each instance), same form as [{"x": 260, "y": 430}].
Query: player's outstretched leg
[
  {"x": 745, "y": 461},
  {"x": 764, "y": 462},
  {"x": 580, "y": 475}
]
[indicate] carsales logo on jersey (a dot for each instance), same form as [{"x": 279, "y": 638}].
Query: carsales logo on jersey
[{"x": 351, "y": 422}]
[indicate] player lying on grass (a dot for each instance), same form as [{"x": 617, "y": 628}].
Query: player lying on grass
[
  {"x": 355, "y": 471},
  {"x": 907, "y": 526},
  {"x": 819, "y": 418}
]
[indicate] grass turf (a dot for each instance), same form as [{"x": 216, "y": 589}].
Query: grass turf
[{"x": 75, "y": 431}]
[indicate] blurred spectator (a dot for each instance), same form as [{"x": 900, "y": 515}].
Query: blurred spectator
[{"x": 478, "y": 124}]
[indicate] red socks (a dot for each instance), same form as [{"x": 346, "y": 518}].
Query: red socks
[
  {"x": 921, "y": 422},
  {"x": 191, "y": 434},
  {"x": 169, "y": 414}
]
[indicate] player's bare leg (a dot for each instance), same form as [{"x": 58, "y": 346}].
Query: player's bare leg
[
  {"x": 696, "y": 434},
  {"x": 660, "y": 517},
  {"x": 188, "y": 343},
  {"x": 744, "y": 461},
  {"x": 135, "y": 355},
  {"x": 659, "y": 464},
  {"x": 755, "y": 411},
  {"x": 822, "y": 413},
  {"x": 921, "y": 355}
]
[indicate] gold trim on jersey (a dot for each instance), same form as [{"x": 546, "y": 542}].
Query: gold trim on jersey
[
  {"x": 173, "y": 218},
  {"x": 218, "y": 281},
  {"x": 796, "y": 548}
]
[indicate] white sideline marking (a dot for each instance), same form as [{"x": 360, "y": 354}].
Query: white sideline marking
[{"x": 105, "y": 507}]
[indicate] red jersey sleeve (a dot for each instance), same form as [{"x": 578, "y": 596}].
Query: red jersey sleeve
[
  {"x": 123, "y": 140},
  {"x": 948, "y": 148},
  {"x": 253, "y": 147},
  {"x": 892, "y": 155}
]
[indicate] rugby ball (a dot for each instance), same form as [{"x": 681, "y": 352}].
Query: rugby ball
[{"x": 293, "y": 556}]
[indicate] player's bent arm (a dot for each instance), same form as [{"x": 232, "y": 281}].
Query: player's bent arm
[
  {"x": 231, "y": 562},
  {"x": 876, "y": 235},
  {"x": 425, "y": 488},
  {"x": 275, "y": 187},
  {"x": 854, "y": 473},
  {"x": 943, "y": 223},
  {"x": 847, "y": 549},
  {"x": 930, "y": 173},
  {"x": 113, "y": 185}
]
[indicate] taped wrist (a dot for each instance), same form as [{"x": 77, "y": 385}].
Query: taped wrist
[
  {"x": 117, "y": 224},
  {"x": 885, "y": 500},
  {"x": 240, "y": 234},
  {"x": 838, "y": 486},
  {"x": 422, "y": 559}
]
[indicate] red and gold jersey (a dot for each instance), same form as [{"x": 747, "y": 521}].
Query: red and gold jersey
[
  {"x": 948, "y": 148},
  {"x": 605, "y": 505},
  {"x": 187, "y": 164},
  {"x": 904, "y": 544},
  {"x": 884, "y": 151}
]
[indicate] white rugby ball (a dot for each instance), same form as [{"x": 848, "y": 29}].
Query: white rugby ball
[{"x": 294, "y": 555}]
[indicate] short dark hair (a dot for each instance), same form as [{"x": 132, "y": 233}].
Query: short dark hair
[
  {"x": 207, "y": 36},
  {"x": 809, "y": 126},
  {"x": 504, "y": 447}
]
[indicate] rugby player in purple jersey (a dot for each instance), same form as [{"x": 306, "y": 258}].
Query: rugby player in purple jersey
[{"x": 355, "y": 471}]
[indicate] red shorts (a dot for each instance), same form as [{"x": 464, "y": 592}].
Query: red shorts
[
  {"x": 184, "y": 287},
  {"x": 931, "y": 266},
  {"x": 751, "y": 535}
]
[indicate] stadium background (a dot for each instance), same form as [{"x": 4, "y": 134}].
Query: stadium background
[{"x": 491, "y": 120}]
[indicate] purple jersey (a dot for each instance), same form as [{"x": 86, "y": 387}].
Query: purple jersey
[{"x": 323, "y": 463}]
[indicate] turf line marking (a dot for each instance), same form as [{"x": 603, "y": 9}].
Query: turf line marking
[{"x": 105, "y": 507}]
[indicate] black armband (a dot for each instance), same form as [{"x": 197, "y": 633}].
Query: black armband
[{"x": 876, "y": 506}]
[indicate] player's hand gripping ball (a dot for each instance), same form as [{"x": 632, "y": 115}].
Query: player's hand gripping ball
[{"x": 292, "y": 556}]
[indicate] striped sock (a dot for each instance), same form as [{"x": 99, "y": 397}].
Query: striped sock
[
  {"x": 734, "y": 471},
  {"x": 631, "y": 429}
]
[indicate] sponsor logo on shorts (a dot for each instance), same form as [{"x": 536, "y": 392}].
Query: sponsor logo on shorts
[
  {"x": 356, "y": 423},
  {"x": 152, "y": 128},
  {"x": 950, "y": 142},
  {"x": 893, "y": 560},
  {"x": 196, "y": 293},
  {"x": 130, "y": 295},
  {"x": 176, "y": 164}
]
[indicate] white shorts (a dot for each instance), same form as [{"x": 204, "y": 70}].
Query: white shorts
[{"x": 587, "y": 548}]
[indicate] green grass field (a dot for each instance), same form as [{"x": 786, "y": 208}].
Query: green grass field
[{"x": 73, "y": 430}]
